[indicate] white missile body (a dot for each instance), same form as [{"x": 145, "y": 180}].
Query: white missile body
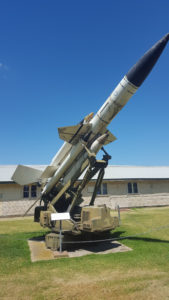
[
  {"x": 107, "y": 112},
  {"x": 80, "y": 165},
  {"x": 116, "y": 101}
]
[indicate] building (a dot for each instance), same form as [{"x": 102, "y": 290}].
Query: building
[
  {"x": 14, "y": 198},
  {"x": 126, "y": 186},
  {"x": 133, "y": 186}
]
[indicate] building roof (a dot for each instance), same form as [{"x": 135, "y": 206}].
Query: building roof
[
  {"x": 6, "y": 171},
  {"x": 111, "y": 172},
  {"x": 136, "y": 172}
]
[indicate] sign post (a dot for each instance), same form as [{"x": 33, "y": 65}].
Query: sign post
[
  {"x": 60, "y": 217},
  {"x": 60, "y": 237}
]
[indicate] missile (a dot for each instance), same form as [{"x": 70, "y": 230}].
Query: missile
[
  {"x": 91, "y": 133},
  {"x": 90, "y": 130},
  {"x": 128, "y": 85}
]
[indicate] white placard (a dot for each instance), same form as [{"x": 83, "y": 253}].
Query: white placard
[{"x": 60, "y": 216}]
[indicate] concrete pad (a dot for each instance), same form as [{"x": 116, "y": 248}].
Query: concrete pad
[
  {"x": 40, "y": 252},
  {"x": 58, "y": 254},
  {"x": 98, "y": 248}
]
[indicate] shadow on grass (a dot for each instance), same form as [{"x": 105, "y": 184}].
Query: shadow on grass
[
  {"x": 94, "y": 243},
  {"x": 150, "y": 240},
  {"x": 120, "y": 235}
]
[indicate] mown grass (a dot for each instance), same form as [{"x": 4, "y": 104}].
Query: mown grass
[{"x": 141, "y": 273}]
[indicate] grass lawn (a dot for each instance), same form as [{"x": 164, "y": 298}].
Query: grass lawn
[{"x": 142, "y": 273}]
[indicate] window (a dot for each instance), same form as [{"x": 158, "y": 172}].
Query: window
[
  {"x": 135, "y": 189},
  {"x": 33, "y": 191},
  {"x": 132, "y": 188},
  {"x": 129, "y": 188},
  {"x": 99, "y": 191},
  {"x": 103, "y": 189},
  {"x": 26, "y": 191}
]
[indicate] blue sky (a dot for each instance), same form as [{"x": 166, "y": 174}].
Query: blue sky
[{"x": 60, "y": 60}]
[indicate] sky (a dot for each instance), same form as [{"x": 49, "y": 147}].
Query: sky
[{"x": 60, "y": 60}]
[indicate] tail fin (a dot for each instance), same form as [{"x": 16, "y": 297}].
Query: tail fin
[
  {"x": 25, "y": 175},
  {"x": 72, "y": 134},
  {"x": 110, "y": 138}
]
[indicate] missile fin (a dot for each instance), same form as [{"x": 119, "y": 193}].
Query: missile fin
[
  {"x": 72, "y": 134},
  {"x": 48, "y": 172},
  {"x": 110, "y": 138},
  {"x": 24, "y": 175}
]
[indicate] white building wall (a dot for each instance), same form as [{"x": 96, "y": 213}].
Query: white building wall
[
  {"x": 117, "y": 188},
  {"x": 150, "y": 193},
  {"x": 153, "y": 186},
  {"x": 121, "y": 187},
  {"x": 12, "y": 202},
  {"x": 10, "y": 192}
]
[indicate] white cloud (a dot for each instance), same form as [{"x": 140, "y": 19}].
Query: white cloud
[
  {"x": 3, "y": 66},
  {"x": 3, "y": 71}
]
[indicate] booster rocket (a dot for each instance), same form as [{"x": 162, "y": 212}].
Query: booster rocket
[{"x": 91, "y": 133}]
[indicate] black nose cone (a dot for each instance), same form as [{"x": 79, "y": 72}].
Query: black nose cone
[{"x": 138, "y": 73}]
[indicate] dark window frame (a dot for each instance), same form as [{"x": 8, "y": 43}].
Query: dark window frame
[
  {"x": 26, "y": 191},
  {"x": 135, "y": 188},
  {"x": 132, "y": 188},
  {"x": 129, "y": 188},
  {"x": 33, "y": 191},
  {"x": 103, "y": 189},
  {"x": 99, "y": 191}
]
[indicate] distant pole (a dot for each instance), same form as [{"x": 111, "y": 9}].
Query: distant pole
[
  {"x": 60, "y": 236},
  {"x": 118, "y": 209}
]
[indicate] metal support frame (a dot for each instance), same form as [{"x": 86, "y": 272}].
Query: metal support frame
[
  {"x": 98, "y": 183},
  {"x": 94, "y": 167},
  {"x": 97, "y": 186}
]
